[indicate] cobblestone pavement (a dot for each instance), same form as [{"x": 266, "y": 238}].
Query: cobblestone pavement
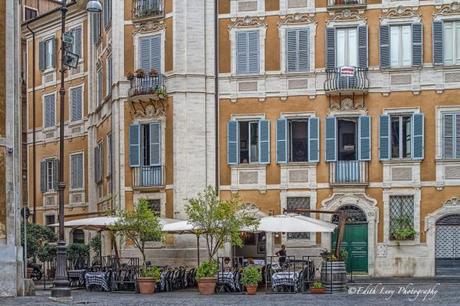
[{"x": 362, "y": 293}]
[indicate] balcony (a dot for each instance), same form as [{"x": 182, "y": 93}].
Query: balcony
[
  {"x": 143, "y": 9},
  {"x": 348, "y": 172},
  {"x": 346, "y": 80},
  {"x": 141, "y": 85},
  {"x": 344, "y": 4},
  {"x": 148, "y": 177}
]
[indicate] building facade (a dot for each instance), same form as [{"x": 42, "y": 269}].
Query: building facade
[
  {"x": 334, "y": 105},
  {"x": 11, "y": 266}
]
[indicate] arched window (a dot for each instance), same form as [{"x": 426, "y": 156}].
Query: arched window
[{"x": 78, "y": 236}]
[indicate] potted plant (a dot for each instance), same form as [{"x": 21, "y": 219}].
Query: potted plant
[
  {"x": 161, "y": 92},
  {"x": 153, "y": 72},
  {"x": 317, "y": 288},
  {"x": 140, "y": 73},
  {"x": 251, "y": 278},
  {"x": 403, "y": 230},
  {"x": 147, "y": 279},
  {"x": 333, "y": 270},
  {"x": 130, "y": 76},
  {"x": 206, "y": 277},
  {"x": 47, "y": 253}
]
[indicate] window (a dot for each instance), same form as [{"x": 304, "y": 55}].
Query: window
[
  {"x": 247, "y": 52},
  {"x": 100, "y": 84},
  {"x": 77, "y": 44},
  {"x": 451, "y": 135},
  {"x": 294, "y": 203},
  {"x": 50, "y": 219},
  {"x": 29, "y": 13},
  {"x": 451, "y": 43},
  {"x": 155, "y": 206},
  {"x": 298, "y": 140},
  {"x": 48, "y": 175},
  {"x": 249, "y": 142},
  {"x": 49, "y": 111},
  {"x": 347, "y": 47},
  {"x": 109, "y": 154},
  {"x": 76, "y": 171},
  {"x": 145, "y": 144},
  {"x": 109, "y": 75},
  {"x": 297, "y": 50},
  {"x": 401, "y": 45},
  {"x": 78, "y": 236},
  {"x": 98, "y": 163},
  {"x": 107, "y": 10},
  {"x": 401, "y": 136},
  {"x": 47, "y": 54},
  {"x": 150, "y": 53},
  {"x": 76, "y": 104},
  {"x": 401, "y": 214}
]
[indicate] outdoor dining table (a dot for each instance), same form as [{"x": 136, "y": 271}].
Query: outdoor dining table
[
  {"x": 76, "y": 277},
  {"x": 227, "y": 278},
  {"x": 97, "y": 279},
  {"x": 285, "y": 279}
]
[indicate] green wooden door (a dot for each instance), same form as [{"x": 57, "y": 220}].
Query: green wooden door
[{"x": 355, "y": 242}]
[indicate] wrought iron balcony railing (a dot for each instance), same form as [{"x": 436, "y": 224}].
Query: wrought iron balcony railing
[
  {"x": 337, "y": 4},
  {"x": 148, "y": 85},
  {"x": 148, "y": 8},
  {"x": 148, "y": 176},
  {"x": 349, "y": 172},
  {"x": 346, "y": 80}
]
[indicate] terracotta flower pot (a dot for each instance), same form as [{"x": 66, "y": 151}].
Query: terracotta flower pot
[
  {"x": 29, "y": 273},
  {"x": 317, "y": 290},
  {"x": 146, "y": 285},
  {"x": 251, "y": 289},
  {"x": 207, "y": 285}
]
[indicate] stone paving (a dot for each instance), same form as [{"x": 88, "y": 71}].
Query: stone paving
[{"x": 426, "y": 292}]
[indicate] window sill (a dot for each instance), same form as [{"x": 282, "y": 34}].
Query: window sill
[
  {"x": 249, "y": 166},
  {"x": 447, "y": 160},
  {"x": 401, "y": 161},
  {"x": 49, "y": 129},
  {"x": 76, "y": 190},
  {"x": 400, "y": 69},
  {"x": 72, "y": 124},
  {"x": 50, "y": 193},
  {"x": 296, "y": 164}
]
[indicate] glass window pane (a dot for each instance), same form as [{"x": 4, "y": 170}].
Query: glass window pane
[
  {"x": 244, "y": 142},
  {"x": 340, "y": 48},
  {"x": 352, "y": 47},
  {"x": 298, "y": 141},
  {"x": 407, "y": 136},
  {"x": 406, "y": 45},
  {"x": 395, "y": 137},
  {"x": 395, "y": 46},
  {"x": 254, "y": 155}
]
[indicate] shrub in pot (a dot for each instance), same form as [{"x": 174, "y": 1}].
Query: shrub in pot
[
  {"x": 317, "y": 288},
  {"x": 148, "y": 277},
  {"x": 206, "y": 277},
  {"x": 251, "y": 278}
]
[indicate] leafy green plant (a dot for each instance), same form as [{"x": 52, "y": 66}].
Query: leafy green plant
[
  {"x": 95, "y": 244},
  {"x": 330, "y": 255},
  {"x": 402, "y": 229},
  {"x": 153, "y": 272},
  {"x": 37, "y": 235},
  {"x": 219, "y": 220},
  {"x": 207, "y": 269},
  {"x": 47, "y": 252},
  {"x": 317, "y": 285},
  {"x": 76, "y": 251},
  {"x": 161, "y": 92},
  {"x": 251, "y": 275},
  {"x": 139, "y": 226}
]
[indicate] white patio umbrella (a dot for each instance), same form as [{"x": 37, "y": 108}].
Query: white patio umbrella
[
  {"x": 292, "y": 223},
  {"x": 185, "y": 227}
]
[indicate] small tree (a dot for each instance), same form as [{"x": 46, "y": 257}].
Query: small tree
[
  {"x": 218, "y": 220},
  {"x": 139, "y": 226},
  {"x": 37, "y": 236}
]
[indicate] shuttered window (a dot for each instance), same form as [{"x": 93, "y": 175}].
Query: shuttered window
[
  {"x": 98, "y": 163},
  {"x": 401, "y": 46},
  {"x": 247, "y": 52},
  {"x": 347, "y": 47},
  {"x": 49, "y": 111},
  {"x": 76, "y": 171},
  {"x": 47, "y": 54},
  {"x": 48, "y": 174},
  {"x": 100, "y": 87},
  {"x": 451, "y": 135},
  {"x": 150, "y": 53},
  {"x": 451, "y": 42},
  {"x": 77, "y": 44},
  {"x": 96, "y": 27},
  {"x": 145, "y": 143},
  {"x": 76, "y": 103},
  {"x": 298, "y": 140},
  {"x": 297, "y": 50}
]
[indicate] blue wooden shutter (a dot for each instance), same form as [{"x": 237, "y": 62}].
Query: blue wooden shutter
[
  {"x": 417, "y": 44},
  {"x": 232, "y": 142},
  {"x": 155, "y": 144},
  {"x": 77, "y": 40},
  {"x": 385, "y": 46},
  {"x": 448, "y": 137},
  {"x": 438, "y": 43},
  {"x": 77, "y": 105},
  {"x": 362, "y": 43},
  {"x": 155, "y": 52},
  {"x": 43, "y": 176},
  {"x": 457, "y": 135},
  {"x": 144, "y": 54},
  {"x": 50, "y": 109},
  {"x": 281, "y": 140},
  {"x": 291, "y": 50},
  {"x": 254, "y": 53},
  {"x": 313, "y": 139},
  {"x": 97, "y": 164},
  {"x": 364, "y": 126},
  {"x": 42, "y": 55},
  {"x": 264, "y": 141},
  {"x": 55, "y": 174},
  {"x": 331, "y": 139},
  {"x": 53, "y": 52},
  {"x": 384, "y": 137},
  {"x": 418, "y": 136},
  {"x": 304, "y": 50},
  {"x": 76, "y": 171},
  {"x": 242, "y": 52},
  {"x": 134, "y": 145},
  {"x": 330, "y": 47}
]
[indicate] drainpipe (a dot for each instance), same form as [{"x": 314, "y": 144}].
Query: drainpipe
[
  {"x": 216, "y": 91},
  {"x": 34, "y": 153}
]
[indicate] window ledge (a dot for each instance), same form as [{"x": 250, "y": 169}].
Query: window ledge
[
  {"x": 298, "y": 164},
  {"x": 447, "y": 160},
  {"x": 75, "y": 123},
  {"x": 76, "y": 190},
  {"x": 49, "y": 129},
  {"x": 401, "y": 161},
  {"x": 50, "y": 193},
  {"x": 249, "y": 166},
  {"x": 401, "y": 69}
]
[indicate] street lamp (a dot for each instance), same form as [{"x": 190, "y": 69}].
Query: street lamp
[{"x": 61, "y": 283}]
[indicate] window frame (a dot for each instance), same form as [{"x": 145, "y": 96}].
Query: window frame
[
  {"x": 401, "y": 117},
  {"x": 390, "y": 216},
  {"x": 289, "y": 138},
  {"x": 72, "y": 30},
  {"x": 455, "y": 24},
  {"x": 45, "y": 113},
  {"x": 71, "y": 120},
  {"x": 300, "y": 235},
  {"x": 250, "y": 122},
  {"x": 82, "y": 187},
  {"x": 455, "y": 135},
  {"x": 400, "y": 50},
  {"x": 286, "y": 47},
  {"x": 347, "y": 43}
]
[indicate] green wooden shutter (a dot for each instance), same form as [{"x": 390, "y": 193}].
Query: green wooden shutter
[
  {"x": 438, "y": 43},
  {"x": 155, "y": 144},
  {"x": 134, "y": 145},
  {"x": 313, "y": 139},
  {"x": 364, "y": 126},
  {"x": 331, "y": 139},
  {"x": 362, "y": 43},
  {"x": 232, "y": 142},
  {"x": 43, "y": 177},
  {"x": 385, "y": 46},
  {"x": 281, "y": 140},
  {"x": 418, "y": 136},
  {"x": 330, "y": 47},
  {"x": 417, "y": 44},
  {"x": 384, "y": 138},
  {"x": 264, "y": 141}
]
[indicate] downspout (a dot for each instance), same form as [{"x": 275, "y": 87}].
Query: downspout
[
  {"x": 34, "y": 153},
  {"x": 216, "y": 90}
]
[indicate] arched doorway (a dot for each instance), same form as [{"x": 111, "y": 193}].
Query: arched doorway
[
  {"x": 355, "y": 238},
  {"x": 447, "y": 247}
]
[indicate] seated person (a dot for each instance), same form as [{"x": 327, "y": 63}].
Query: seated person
[{"x": 282, "y": 255}]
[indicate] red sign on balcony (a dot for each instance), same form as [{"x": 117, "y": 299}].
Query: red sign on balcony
[{"x": 347, "y": 71}]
